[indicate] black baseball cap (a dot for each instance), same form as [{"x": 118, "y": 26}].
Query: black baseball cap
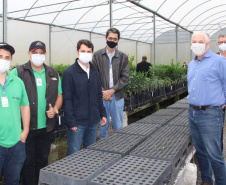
[
  {"x": 37, "y": 45},
  {"x": 6, "y": 46}
]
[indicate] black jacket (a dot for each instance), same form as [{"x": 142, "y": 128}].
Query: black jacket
[
  {"x": 25, "y": 72},
  {"x": 143, "y": 66},
  {"x": 120, "y": 69},
  {"x": 82, "y": 97}
]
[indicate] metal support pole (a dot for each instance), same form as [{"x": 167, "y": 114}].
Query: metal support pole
[
  {"x": 190, "y": 49},
  {"x": 50, "y": 30},
  {"x": 4, "y": 22},
  {"x": 111, "y": 18},
  {"x": 90, "y": 36},
  {"x": 151, "y": 51},
  {"x": 176, "y": 43},
  {"x": 136, "y": 51},
  {"x": 154, "y": 40}
]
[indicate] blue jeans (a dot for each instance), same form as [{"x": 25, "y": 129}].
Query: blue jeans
[
  {"x": 74, "y": 139},
  {"x": 11, "y": 163},
  {"x": 115, "y": 109},
  {"x": 206, "y": 128}
]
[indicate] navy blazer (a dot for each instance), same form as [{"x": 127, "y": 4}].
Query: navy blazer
[{"x": 82, "y": 97}]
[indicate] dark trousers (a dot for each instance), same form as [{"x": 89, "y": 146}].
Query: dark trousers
[{"x": 37, "y": 150}]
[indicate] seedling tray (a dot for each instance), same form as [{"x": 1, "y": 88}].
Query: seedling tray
[
  {"x": 142, "y": 129},
  {"x": 78, "y": 168},
  {"x": 133, "y": 170},
  {"x": 168, "y": 112},
  {"x": 178, "y": 106},
  {"x": 179, "y": 121},
  {"x": 156, "y": 119},
  {"x": 169, "y": 149},
  {"x": 118, "y": 143}
]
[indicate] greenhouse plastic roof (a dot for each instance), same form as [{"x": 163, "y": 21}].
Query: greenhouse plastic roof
[{"x": 133, "y": 21}]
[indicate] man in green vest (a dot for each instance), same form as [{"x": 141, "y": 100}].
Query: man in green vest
[
  {"x": 14, "y": 105},
  {"x": 43, "y": 86}
]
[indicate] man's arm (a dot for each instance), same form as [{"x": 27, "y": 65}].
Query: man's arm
[
  {"x": 68, "y": 106},
  {"x": 52, "y": 110},
  {"x": 222, "y": 74},
  {"x": 121, "y": 83},
  {"x": 25, "y": 115},
  {"x": 59, "y": 101},
  {"x": 124, "y": 79}
]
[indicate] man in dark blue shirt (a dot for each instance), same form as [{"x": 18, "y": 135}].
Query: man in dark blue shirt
[
  {"x": 82, "y": 99},
  {"x": 207, "y": 96}
]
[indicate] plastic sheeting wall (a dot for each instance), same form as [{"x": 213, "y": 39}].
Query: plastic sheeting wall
[{"x": 64, "y": 41}]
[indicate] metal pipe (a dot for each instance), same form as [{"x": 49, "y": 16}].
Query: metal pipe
[
  {"x": 176, "y": 43},
  {"x": 50, "y": 29},
  {"x": 136, "y": 51},
  {"x": 154, "y": 46},
  {"x": 190, "y": 51},
  {"x": 110, "y": 10},
  {"x": 4, "y": 23}
]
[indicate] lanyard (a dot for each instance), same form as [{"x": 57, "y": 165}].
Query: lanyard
[{"x": 4, "y": 86}]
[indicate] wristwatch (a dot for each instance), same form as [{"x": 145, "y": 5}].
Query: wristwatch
[{"x": 56, "y": 110}]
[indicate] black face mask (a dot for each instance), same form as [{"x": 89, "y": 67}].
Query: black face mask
[{"x": 111, "y": 44}]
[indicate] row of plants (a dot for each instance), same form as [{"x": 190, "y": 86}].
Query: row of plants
[
  {"x": 150, "y": 87},
  {"x": 162, "y": 81}
]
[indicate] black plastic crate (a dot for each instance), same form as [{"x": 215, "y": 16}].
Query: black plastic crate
[
  {"x": 118, "y": 143},
  {"x": 184, "y": 100},
  {"x": 133, "y": 170},
  {"x": 184, "y": 113},
  {"x": 156, "y": 119},
  {"x": 78, "y": 168},
  {"x": 168, "y": 112},
  {"x": 174, "y": 132},
  {"x": 169, "y": 149},
  {"x": 179, "y": 121},
  {"x": 178, "y": 106},
  {"x": 142, "y": 129}
]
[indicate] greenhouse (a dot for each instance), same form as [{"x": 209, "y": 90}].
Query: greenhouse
[
  {"x": 157, "y": 143},
  {"x": 147, "y": 27}
]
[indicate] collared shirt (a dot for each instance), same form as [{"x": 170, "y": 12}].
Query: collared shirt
[
  {"x": 222, "y": 56},
  {"x": 41, "y": 93},
  {"x": 85, "y": 69},
  {"x": 110, "y": 56},
  {"x": 10, "y": 127},
  {"x": 207, "y": 80}
]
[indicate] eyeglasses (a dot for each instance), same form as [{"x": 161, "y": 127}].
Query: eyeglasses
[
  {"x": 221, "y": 42},
  {"x": 111, "y": 38}
]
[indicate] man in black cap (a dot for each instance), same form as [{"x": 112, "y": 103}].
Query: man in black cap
[
  {"x": 14, "y": 105},
  {"x": 44, "y": 91}
]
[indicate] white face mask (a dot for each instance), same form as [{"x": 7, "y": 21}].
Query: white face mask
[
  {"x": 85, "y": 57},
  {"x": 198, "y": 48},
  {"x": 222, "y": 47},
  {"x": 4, "y": 65},
  {"x": 38, "y": 59}
]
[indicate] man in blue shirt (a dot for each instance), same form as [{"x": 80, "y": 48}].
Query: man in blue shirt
[{"x": 207, "y": 96}]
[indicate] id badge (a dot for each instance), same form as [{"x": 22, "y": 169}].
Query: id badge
[
  {"x": 39, "y": 82},
  {"x": 5, "y": 102}
]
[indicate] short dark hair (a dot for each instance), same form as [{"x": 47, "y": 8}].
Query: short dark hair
[
  {"x": 86, "y": 42},
  {"x": 113, "y": 30},
  {"x": 221, "y": 35},
  {"x": 144, "y": 58}
]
